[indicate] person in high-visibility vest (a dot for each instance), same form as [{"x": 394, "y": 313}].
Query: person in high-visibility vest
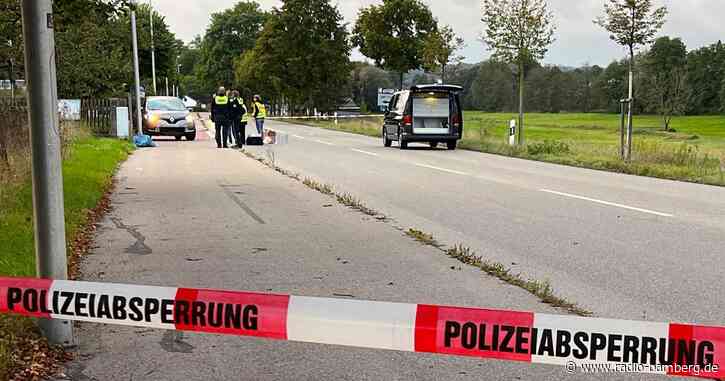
[
  {"x": 220, "y": 117},
  {"x": 237, "y": 113},
  {"x": 245, "y": 121},
  {"x": 259, "y": 113}
]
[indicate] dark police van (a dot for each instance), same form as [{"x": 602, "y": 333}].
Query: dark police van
[{"x": 424, "y": 114}]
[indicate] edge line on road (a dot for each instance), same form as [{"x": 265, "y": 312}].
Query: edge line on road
[
  {"x": 323, "y": 142},
  {"x": 602, "y": 202},
  {"x": 441, "y": 169},
  {"x": 365, "y": 152}
]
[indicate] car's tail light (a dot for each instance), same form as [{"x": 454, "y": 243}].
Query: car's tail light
[{"x": 407, "y": 120}]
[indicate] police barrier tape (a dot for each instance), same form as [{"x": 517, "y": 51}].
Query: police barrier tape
[
  {"x": 326, "y": 117},
  {"x": 673, "y": 349}
]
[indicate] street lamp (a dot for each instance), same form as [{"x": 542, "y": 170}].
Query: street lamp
[
  {"x": 137, "y": 77},
  {"x": 153, "y": 47}
]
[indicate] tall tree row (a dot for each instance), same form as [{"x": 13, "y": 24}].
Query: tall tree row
[
  {"x": 93, "y": 45},
  {"x": 301, "y": 58}
]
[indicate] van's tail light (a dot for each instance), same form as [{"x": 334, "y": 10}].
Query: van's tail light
[
  {"x": 407, "y": 120},
  {"x": 456, "y": 120}
]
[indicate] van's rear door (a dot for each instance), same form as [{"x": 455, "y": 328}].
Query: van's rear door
[{"x": 431, "y": 113}]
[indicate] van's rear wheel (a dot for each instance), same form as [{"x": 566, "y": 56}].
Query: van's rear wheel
[
  {"x": 433, "y": 144},
  {"x": 452, "y": 145},
  {"x": 403, "y": 143},
  {"x": 386, "y": 141},
  {"x": 178, "y": 137}
]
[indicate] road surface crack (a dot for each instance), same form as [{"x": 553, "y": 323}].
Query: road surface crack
[{"x": 139, "y": 247}]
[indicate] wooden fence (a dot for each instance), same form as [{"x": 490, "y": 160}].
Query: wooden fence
[{"x": 13, "y": 128}]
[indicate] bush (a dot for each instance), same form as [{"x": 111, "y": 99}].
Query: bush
[{"x": 548, "y": 147}]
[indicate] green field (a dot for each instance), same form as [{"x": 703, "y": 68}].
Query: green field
[
  {"x": 87, "y": 173},
  {"x": 694, "y": 151}
]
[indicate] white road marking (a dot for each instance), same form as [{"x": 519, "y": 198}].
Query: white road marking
[
  {"x": 365, "y": 152},
  {"x": 442, "y": 169},
  {"x": 324, "y": 142},
  {"x": 608, "y": 203},
  {"x": 299, "y": 137}
]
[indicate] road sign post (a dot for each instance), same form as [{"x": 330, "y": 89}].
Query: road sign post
[
  {"x": 48, "y": 210},
  {"x": 512, "y": 132}
]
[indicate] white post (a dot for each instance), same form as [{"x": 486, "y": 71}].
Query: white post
[{"x": 512, "y": 132}]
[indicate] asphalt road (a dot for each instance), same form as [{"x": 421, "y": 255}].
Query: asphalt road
[
  {"x": 187, "y": 214},
  {"x": 190, "y": 215},
  {"x": 621, "y": 246}
]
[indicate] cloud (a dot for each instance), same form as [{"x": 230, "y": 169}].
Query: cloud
[{"x": 698, "y": 22}]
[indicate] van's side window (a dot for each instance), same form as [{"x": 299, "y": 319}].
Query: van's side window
[
  {"x": 402, "y": 102},
  {"x": 391, "y": 105}
]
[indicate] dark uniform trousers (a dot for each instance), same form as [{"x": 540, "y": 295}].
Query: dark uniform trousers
[
  {"x": 239, "y": 130},
  {"x": 223, "y": 132}
]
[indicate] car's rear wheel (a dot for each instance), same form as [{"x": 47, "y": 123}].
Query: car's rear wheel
[
  {"x": 178, "y": 137},
  {"x": 386, "y": 141},
  {"x": 452, "y": 144},
  {"x": 433, "y": 144},
  {"x": 191, "y": 137}
]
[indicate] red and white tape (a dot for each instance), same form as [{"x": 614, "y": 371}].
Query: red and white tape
[{"x": 673, "y": 349}]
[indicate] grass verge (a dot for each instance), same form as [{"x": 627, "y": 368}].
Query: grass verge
[
  {"x": 693, "y": 151},
  {"x": 88, "y": 168},
  {"x": 465, "y": 255}
]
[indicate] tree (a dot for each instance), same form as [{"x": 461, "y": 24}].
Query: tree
[
  {"x": 439, "y": 51},
  {"x": 631, "y": 23},
  {"x": 366, "y": 79},
  {"x": 665, "y": 73},
  {"x": 722, "y": 97},
  {"x": 303, "y": 54},
  {"x": 230, "y": 33},
  {"x": 393, "y": 34},
  {"x": 705, "y": 74},
  {"x": 518, "y": 32},
  {"x": 491, "y": 90},
  {"x": 86, "y": 58},
  {"x": 465, "y": 75}
]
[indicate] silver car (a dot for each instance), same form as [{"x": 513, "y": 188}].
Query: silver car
[{"x": 167, "y": 116}]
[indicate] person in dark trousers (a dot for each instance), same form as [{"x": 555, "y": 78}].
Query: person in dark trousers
[
  {"x": 237, "y": 110},
  {"x": 220, "y": 117}
]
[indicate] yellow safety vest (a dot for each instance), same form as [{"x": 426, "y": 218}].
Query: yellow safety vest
[
  {"x": 262, "y": 110},
  {"x": 245, "y": 116},
  {"x": 221, "y": 100}
]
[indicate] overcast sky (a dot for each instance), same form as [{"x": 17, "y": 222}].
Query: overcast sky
[{"x": 579, "y": 41}]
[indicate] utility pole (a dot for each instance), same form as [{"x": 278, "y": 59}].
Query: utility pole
[
  {"x": 48, "y": 210},
  {"x": 167, "y": 86},
  {"x": 153, "y": 47},
  {"x": 134, "y": 38},
  {"x": 11, "y": 68}
]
